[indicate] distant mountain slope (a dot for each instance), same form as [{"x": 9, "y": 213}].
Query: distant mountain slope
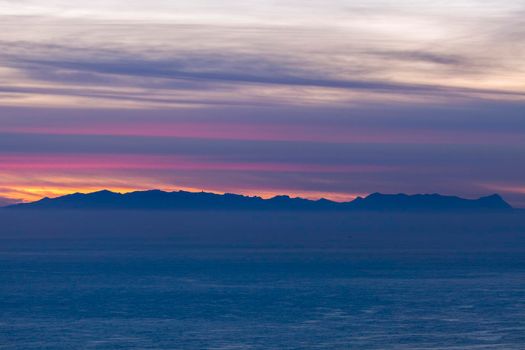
[
  {"x": 378, "y": 201},
  {"x": 156, "y": 199}
]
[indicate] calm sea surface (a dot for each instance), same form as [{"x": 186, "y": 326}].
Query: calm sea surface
[{"x": 164, "y": 297}]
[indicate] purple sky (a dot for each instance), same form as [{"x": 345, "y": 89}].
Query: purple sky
[{"x": 316, "y": 99}]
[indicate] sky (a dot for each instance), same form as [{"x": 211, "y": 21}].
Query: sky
[{"x": 309, "y": 98}]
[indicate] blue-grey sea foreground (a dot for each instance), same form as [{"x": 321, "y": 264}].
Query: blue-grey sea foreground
[{"x": 64, "y": 289}]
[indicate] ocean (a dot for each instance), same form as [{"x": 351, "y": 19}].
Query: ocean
[{"x": 135, "y": 295}]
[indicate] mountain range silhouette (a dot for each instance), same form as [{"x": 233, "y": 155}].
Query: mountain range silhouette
[{"x": 161, "y": 200}]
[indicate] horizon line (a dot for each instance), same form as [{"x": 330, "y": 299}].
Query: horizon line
[{"x": 291, "y": 196}]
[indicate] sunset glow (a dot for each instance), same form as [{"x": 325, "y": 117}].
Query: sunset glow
[{"x": 314, "y": 99}]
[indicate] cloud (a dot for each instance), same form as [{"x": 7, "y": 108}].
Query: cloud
[
  {"x": 430, "y": 95},
  {"x": 8, "y": 201},
  {"x": 174, "y": 70},
  {"x": 481, "y": 158},
  {"x": 197, "y": 70},
  {"x": 425, "y": 56},
  {"x": 476, "y": 123},
  {"x": 266, "y": 62}
]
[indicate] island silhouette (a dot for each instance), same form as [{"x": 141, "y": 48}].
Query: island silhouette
[{"x": 157, "y": 199}]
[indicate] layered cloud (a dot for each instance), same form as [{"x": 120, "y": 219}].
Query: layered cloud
[
  {"x": 169, "y": 53},
  {"x": 314, "y": 98}
]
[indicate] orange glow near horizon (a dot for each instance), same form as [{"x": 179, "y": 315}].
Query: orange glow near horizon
[
  {"x": 30, "y": 194},
  {"x": 28, "y": 178}
]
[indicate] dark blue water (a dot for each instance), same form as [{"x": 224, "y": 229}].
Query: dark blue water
[{"x": 173, "y": 298}]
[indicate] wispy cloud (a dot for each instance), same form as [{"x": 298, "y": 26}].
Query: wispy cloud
[
  {"x": 248, "y": 96},
  {"x": 259, "y": 60}
]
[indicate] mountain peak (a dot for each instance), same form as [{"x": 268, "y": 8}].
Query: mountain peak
[
  {"x": 102, "y": 192},
  {"x": 495, "y": 199}
]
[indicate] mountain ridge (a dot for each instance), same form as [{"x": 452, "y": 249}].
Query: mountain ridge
[{"x": 183, "y": 200}]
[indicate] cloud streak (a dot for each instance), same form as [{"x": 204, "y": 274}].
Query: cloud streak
[
  {"x": 291, "y": 96},
  {"x": 257, "y": 60}
]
